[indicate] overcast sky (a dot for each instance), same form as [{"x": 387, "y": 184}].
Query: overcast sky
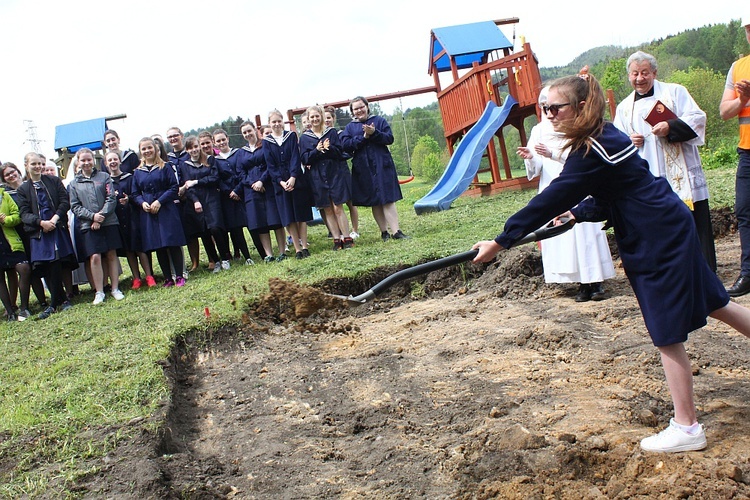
[{"x": 191, "y": 64}]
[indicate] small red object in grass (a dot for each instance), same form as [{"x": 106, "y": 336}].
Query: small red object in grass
[{"x": 206, "y": 312}]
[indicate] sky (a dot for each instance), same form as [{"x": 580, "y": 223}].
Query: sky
[{"x": 191, "y": 64}]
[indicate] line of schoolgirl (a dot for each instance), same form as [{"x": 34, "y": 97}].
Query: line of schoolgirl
[{"x": 199, "y": 191}]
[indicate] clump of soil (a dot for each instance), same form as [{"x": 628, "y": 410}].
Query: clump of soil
[{"x": 488, "y": 383}]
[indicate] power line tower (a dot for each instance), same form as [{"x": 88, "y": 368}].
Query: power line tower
[{"x": 31, "y": 138}]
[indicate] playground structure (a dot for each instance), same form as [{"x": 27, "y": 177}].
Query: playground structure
[
  {"x": 71, "y": 137},
  {"x": 494, "y": 73},
  {"x": 497, "y": 88}
]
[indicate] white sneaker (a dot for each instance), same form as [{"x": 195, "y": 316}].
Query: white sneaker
[
  {"x": 117, "y": 294},
  {"x": 672, "y": 439},
  {"x": 98, "y": 298},
  {"x": 224, "y": 264},
  {"x": 249, "y": 262},
  {"x": 354, "y": 235},
  {"x": 217, "y": 268}
]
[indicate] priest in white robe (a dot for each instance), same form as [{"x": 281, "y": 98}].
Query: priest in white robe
[{"x": 670, "y": 146}]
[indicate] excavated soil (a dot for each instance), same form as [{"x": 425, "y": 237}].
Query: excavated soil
[{"x": 469, "y": 383}]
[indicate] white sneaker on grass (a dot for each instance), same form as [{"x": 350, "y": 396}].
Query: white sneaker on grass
[
  {"x": 673, "y": 439},
  {"x": 225, "y": 265},
  {"x": 98, "y": 298},
  {"x": 217, "y": 268},
  {"x": 117, "y": 294}
]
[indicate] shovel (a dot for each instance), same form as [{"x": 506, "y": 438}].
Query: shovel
[{"x": 542, "y": 233}]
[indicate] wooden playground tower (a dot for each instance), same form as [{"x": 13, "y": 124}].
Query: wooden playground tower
[{"x": 493, "y": 71}]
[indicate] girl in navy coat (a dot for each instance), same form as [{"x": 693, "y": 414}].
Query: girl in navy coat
[
  {"x": 293, "y": 200},
  {"x": 155, "y": 191},
  {"x": 260, "y": 202},
  {"x": 232, "y": 203},
  {"x": 320, "y": 148},
  {"x": 129, "y": 160},
  {"x": 656, "y": 237},
  {"x": 43, "y": 203},
  {"x": 202, "y": 215},
  {"x": 127, "y": 213},
  {"x": 374, "y": 178}
]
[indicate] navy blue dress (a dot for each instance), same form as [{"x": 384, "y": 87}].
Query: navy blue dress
[
  {"x": 654, "y": 229},
  {"x": 163, "y": 229},
  {"x": 260, "y": 207},
  {"x": 329, "y": 174},
  {"x": 52, "y": 246},
  {"x": 230, "y": 180},
  {"x": 127, "y": 214},
  {"x": 374, "y": 177},
  {"x": 206, "y": 192},
  {"x": 283, "y": 162}
]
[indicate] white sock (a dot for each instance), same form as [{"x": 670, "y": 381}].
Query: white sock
[{"x": 689, "y": 429}]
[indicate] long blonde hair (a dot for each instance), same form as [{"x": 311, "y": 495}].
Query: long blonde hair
[
  {"x": 586, "y": 97},
  {"x": 158, "y": 161}
]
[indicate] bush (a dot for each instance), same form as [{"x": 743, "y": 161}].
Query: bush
[
  {"x": 426, "y": 161},
  {"x": 723, "y": 154}
]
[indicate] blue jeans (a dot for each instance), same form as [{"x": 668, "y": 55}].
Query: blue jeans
[{"x": 742, "y": 208}]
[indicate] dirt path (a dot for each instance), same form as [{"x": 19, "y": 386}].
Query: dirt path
[{"x": 497, "y": 387}]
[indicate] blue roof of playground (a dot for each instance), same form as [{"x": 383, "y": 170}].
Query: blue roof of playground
[
  {"x": 467, "y": 43},
  {"x": 85, "y": 134}
]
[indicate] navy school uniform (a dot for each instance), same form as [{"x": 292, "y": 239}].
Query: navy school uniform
[
  {"x": 374, "y": 177},
  {"x": 654, "y": 229},
  {"x": 206, "y": 192},
  {"x": 329, "y": 174},
  {"x": 230, "y": 180},
  {"x": 40, "y": 201},
  {"x": 283, "y": 162},
  {"x": 165, "y": 228},
  {"x": 127, "y": 214},
  {"x": 260, "y": 207}
]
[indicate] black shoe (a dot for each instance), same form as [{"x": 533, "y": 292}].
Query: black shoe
[
  {"x": 385, "y": 236},
  {"x": 306, "y": 252},
  {"x": 299, "y": 255},
  {"x": 49, "y": 311},
  {"x": 740, "y": 287},
  {"x": 348, "y": 242},
  {"x": 65, "y": 306},
  {"x": 584, "y": 293},
  {"x": 12, "y": 318},
  {"x": 281, "y": 257},
  {"x": 398, "y": 235},
  {"x": 597, "y": 292}
]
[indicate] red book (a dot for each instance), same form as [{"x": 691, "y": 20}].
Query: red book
[{"x": 659, "y": 113}]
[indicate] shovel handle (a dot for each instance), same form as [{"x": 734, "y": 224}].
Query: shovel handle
[{"x": 542, "y": 233}]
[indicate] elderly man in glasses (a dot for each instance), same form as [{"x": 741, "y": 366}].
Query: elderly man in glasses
[{"x": 667, "y": 126}]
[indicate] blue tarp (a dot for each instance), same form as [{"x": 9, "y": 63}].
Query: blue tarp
[
  {"x": 467, "y": 43},
  {"x": 85, "y": 134}
]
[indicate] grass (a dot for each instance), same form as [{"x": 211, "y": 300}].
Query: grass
[{"x": 97, "y": 367}]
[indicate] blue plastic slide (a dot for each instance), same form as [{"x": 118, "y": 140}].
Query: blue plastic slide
[{"x": 464, "y": 163}]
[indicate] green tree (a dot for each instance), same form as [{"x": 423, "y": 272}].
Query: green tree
[
  {"x": 427, "y": 158},
  {"x": 707, "y": 86}
]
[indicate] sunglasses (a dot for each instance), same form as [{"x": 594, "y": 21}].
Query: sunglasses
[{"x": 553, "y": 108}]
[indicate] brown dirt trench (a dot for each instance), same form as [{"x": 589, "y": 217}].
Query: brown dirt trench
[{"x": 490, "y": 384}]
